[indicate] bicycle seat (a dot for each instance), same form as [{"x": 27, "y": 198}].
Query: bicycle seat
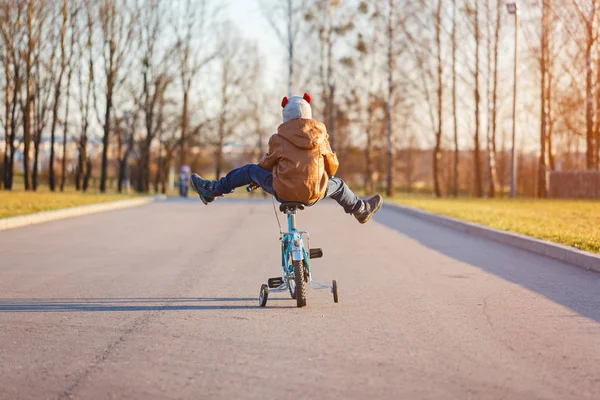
[{"x": 286, "y": 207}]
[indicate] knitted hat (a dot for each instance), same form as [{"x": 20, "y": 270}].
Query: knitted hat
[{"x": 296, "y": 107}]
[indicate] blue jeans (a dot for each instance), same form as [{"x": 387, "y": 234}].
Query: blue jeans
[{"x": 252, "y": 173}]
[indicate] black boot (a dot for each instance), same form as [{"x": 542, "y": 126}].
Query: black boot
[
  {"x": 370, "y": 207},
  {"x": 204, "y": 188}
]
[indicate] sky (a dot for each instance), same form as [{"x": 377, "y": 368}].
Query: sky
[{"x": 248, "y": 17}]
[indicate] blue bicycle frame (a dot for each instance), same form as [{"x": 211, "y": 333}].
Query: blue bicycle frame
[
  {"x": 295, "y": 259},
  {"x": 292, "y": 247}
]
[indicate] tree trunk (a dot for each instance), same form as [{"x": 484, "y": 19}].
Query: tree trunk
[
  {"x": 218, "y": 159},
  {"x": 105, "y": 138},
  {"x": 81, "y": 171},
  {"x": 550, "y": 127},
  {"x": 388, "y": 108},
  {"x": 330, "y": 81},
  {"x": 454, "y": 111},
  {"x": 65, "y": 131},
  {"x": 596, "y": 138},
  {"x": 184, "y": 128},
  {"x": 167, "y": 167},
  {"x": 144, "y": 181},
  {"x": 476, "y": 150},
  {"x": 121, "y": 175},
  {"x": 57, "y": 93},
  {"x": 437, "y": 154},
  {"x": 12, "y": 136},
  {"x": 492, "y": 98},
  {"x": 51, "y": 177},
  {"x": 87, "y": 176},
  {"x": 27, "y": 113},
  {"x": 7, "y": 121},
  {"x": 541, "y": 192},
  {"x": 36, "y": 157},
  {"x": 369, "y": 161},
  {"x": 6, "y": 163},
  {"x": 159, "y": 166},
  {"x": 589, "y": 87}
]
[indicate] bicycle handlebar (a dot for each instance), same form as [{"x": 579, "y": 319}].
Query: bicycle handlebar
[{"x": 251, "y": 187}]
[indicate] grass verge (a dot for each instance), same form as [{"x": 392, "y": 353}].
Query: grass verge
[
  {"x": 19, "y": 202},
  {"x": 569, "y": 222}
]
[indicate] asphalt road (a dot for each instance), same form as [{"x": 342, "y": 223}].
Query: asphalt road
[{"x": 160, "y": 302}]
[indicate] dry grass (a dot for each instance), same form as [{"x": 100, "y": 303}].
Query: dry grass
[
  {"x": 19, "y": 202},
  {"x": 572, "y": 223}
]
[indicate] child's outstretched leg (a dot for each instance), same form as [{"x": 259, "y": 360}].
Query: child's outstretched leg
[
  {"x": 362, "y": 210},
  {"x": 250, "y": 173}
]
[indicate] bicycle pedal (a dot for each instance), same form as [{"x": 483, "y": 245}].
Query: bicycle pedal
[
  {"x": 275, "y": 282},
  {"x": 316, "y": 253}
]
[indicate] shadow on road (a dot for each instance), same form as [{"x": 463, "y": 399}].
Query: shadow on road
[
  {"x": 568, "y": 285},
  {"x": 127, "y": 304}
]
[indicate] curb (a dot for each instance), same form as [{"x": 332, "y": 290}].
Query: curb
[
  {"x": 566, "y": 254},
  {"x": 54, "y": 215}
]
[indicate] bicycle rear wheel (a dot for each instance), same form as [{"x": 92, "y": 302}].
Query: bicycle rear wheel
[{"x": 300, "y": 283}]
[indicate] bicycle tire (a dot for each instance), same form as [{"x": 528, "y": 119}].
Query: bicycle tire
[{"x": 300, "y": 283}]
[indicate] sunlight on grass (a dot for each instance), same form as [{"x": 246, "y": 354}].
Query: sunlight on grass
[
  {"x": 19, "y": 202},
  {"x": 569, "y": 222}
]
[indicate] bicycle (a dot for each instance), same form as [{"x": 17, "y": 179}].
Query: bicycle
[{"x": 296, "y": 273}]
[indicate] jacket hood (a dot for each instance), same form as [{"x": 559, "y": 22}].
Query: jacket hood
[{"x": 303, "y": 133}]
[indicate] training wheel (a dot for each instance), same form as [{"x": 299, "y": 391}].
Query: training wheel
[
  {"x": 264, "y": 295},
  {"x": 334, "y": 290}
]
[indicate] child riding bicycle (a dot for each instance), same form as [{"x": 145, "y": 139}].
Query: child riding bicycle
[{"x": 299, "y": 167}]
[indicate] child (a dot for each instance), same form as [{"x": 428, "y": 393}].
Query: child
[{"x": 299, "y": 167}]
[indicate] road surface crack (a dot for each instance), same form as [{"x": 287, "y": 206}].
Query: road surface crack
[
  {"x": 485, "y": 312},
  {"x": 138, "y": 323},
  {"x": 102, "y": 357}
]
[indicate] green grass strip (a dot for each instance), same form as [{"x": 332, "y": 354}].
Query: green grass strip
[{"x": 568, "y": 222}]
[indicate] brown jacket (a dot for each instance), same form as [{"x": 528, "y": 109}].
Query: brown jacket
[{"x": 301, "y": 160}]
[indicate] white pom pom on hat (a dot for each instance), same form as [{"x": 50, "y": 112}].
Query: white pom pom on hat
[{"x": 296, "y": 107}]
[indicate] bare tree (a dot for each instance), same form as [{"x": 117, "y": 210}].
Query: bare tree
[
  {"x": 167, "y": 139},
  {"x": 57, "y": 82},
  {"x": 125, "y": 126},
  {"x": 368, "y": 100},
  {"x": 437, "y": 154},
  {"x": 541, "y": 192},
  {"x": 288, "y": 11},
  {"x": 192, "y": 57},
  {"x": 85, "y": 75},
  {"x": 155, "y": 81},
  {"x": 390, "y": 96},
  {"x": 233, "y": 64},
  {"x": 589, "y": 21},
  {"x": 33, "y": 29},
  {"x": 494, "y": 117},
  {"x": 117, "y": 25},
  {"x": 454, "y": 108},
  {"x": 70, "y": 68},
  {"x": 492, "y": 76},
  {"x": 330, "y": 23},
  {"x": 12, "y": 38},
  {"x": 43, "y": 75},
  {"x": 474, "y": 12}
]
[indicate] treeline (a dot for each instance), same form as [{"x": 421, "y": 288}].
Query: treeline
[{"x": 129, "y": 90}]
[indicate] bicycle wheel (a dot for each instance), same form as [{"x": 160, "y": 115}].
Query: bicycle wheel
[
  {"x": 264, "y": 295},
  {"x": 334, "y": 290},
  {"x": 300, "y": 283}
]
